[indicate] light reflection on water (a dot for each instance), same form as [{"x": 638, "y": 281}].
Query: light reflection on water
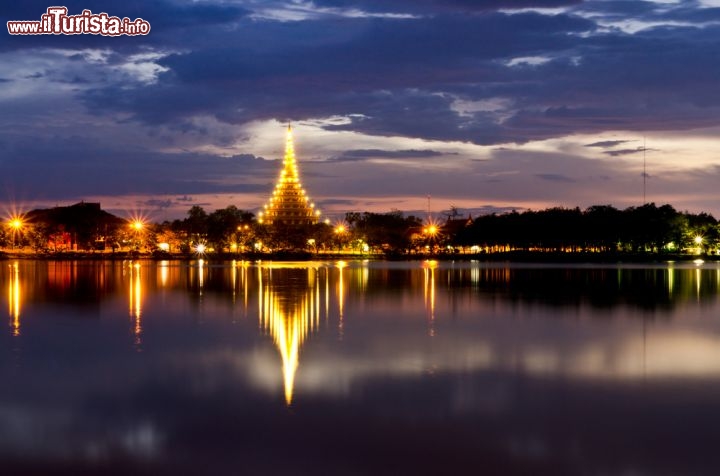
[
  {"x": 442, "y": 350},
  {"x": 289, "y": 309}
]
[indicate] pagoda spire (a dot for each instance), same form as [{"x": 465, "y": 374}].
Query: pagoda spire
[{"x": 289, "y": 204}]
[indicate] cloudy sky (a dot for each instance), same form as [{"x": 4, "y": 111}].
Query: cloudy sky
[{"x": 482, "y": 104}]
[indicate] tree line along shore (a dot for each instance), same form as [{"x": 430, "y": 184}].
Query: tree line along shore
[{"x": 635, "y": 233}]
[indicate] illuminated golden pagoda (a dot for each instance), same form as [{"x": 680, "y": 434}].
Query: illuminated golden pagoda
[{"x": 289, "y": 204}]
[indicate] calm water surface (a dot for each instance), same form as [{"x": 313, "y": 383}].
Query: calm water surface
[{"x": 359, "y": 368}]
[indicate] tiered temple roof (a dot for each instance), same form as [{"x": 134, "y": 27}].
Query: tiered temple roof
[{"x": 289, "y": 204}]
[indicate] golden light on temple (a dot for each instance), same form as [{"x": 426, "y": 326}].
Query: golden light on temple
[
  {"x": 289, "y": 203},
  {"x": 14, "y": 298},
  {"x": 288, "y": 321}
]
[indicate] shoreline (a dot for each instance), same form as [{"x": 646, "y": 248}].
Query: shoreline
[{"x": 511, "y": 256}]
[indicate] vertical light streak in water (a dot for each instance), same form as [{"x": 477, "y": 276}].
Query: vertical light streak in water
[
  {"x": 311, "y": 285},
  {"x": 164, "y": 272},
  {"x": 671, "y": 280},
  {"x": 136, "y": 302},
  {"x": 364, "y": 276},
  {"x": 316, "y": 286},
  {"x": 244, "y": 278},
  {"x": 341, "y": 299},
  {"x": 233, "y": 279},
  {"x": 288, "y": 316},
  {"x": 429, "y": 272},
  {"x": 14, "y": 298},
  {"x": 698, "y": 277},
  {"x": 327, "y": 293},
  {"x": 201, "y": 275}
]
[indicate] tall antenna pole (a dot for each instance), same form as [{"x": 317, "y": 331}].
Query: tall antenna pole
[
  {"x": 428, "y": 210},
  {"x": 644, "y": 172}
]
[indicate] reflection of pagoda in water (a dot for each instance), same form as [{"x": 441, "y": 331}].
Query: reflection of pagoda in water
[
  {"x": 289, "y": 309},
  {"x": 289, "y": 204}
]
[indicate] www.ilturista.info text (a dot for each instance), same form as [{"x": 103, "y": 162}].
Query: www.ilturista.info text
[{"x": 57, "y": 22}]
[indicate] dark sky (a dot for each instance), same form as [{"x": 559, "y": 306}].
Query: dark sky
[{"x": 482, "y": 104}]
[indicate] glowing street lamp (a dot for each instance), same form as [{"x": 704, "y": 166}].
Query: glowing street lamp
[
  {"x": 16, "y": 224},
  {"x": 138, "y": 226},
  {"x": 699, "y": 242},
  {"x": 431, "y": 230}
]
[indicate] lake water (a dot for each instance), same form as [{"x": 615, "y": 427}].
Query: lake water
[{"x": 190, "y": 368}]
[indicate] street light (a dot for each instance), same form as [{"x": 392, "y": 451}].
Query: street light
[
  {"x": 699, "y": 242},
  {"x": 340, "y": 230},
  {"x": 138, "y": 226},
  {"x": 16, "y": 223}
]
